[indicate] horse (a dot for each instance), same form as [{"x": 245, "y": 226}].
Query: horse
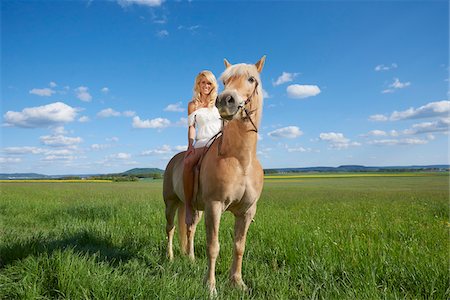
[{"x": 230, "y": 177}]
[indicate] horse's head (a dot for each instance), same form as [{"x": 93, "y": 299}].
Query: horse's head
[{"x": 242, "y": 90}]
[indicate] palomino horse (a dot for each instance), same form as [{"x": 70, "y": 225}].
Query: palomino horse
[{"x": 230, "y": 178}]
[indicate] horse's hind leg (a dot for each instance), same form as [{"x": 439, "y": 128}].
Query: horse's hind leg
[
  {"x": 171, "y": 209},
  {"x": 182, "y": 228},
  {"x": 242, "y": 222},
  {"x": 191, "y": 234}
]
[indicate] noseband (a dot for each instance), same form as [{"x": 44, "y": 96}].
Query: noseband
[
  {"x": 248, "y": 117},
  {"x": 247, "y": 112}
]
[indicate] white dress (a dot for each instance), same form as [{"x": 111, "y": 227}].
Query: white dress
[{"x": 207, "y": 122}]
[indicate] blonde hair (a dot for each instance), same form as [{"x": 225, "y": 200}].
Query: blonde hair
[{"x": 212, "y": 95}]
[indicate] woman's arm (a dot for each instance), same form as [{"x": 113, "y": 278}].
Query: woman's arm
[{"x": 191, "y": 131}]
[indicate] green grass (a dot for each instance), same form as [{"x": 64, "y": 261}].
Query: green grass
[{"x": 327, "y": 238}]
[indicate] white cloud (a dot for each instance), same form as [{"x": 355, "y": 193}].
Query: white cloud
[
  {"x": 100, "y": 146},
  {"x": 105, "y": 90},
  {"x": 52, "y": 84},
  {"x": 59, "y": 140},
  {"x": 192, "y": 29},
  {"x": 432, "y": 109},
  {"x": 10, "y": 160},
  {"x": 395, "y": 142},
  {"x": 266, "y": 94},
  {"x": 41, "y": 116},
  {"x": 159, "y": 19},
  {"x": 45, "y": 92},
  {"x": 22, "y": 150},
  {"x": 290, "y": 132},
  {"x": 83, "y": 119},
  {"x": 377, "y": 133},
  {"x": 59, "y": 157},
  {"x": 154, "y": 123},
  {"x": 59, "y": 130},
  {"x": 150, "y": 3},
  {"x": 83, "y": 94},
  {"x": 59, "y": 152},
  {"x": 180, "y": 148},
  {"x": 284, "y": 77},
  {"x": 174, "y": 107},
  {"x": 399, "y": 85},
  {"x": 396, "y": 85},
  {"x": 298, "y": 91},
  {"x": 35, "y": 150},
  {"x": 162, "y": 33},
  {"x": 441, "y": 125},
  {"x": 129, "y": 113},
  {"x": 108, "y": 112},
  {"x": 393, "y": 133},
  {"x": 337, "y": 140},
  {"x": 164, "y": 149},
  {"x": 299, "y": 149},
  {"x": 378, "y": 118},
  {"x": 182, "y": 122},
  {"x": 120, "y": 156},
  {"x": 385, "y": 68}
]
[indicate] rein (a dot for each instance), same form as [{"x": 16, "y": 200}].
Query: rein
[
  {"x": 220, "y": 133},
  {"x": 247, "y": 112}
]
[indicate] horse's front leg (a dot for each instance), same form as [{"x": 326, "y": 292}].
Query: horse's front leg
[
  {"x": 213, "y": 212},
  {"x": 241, "y": 224}
]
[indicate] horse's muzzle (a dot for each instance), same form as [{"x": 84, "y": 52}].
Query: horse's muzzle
[{"x": 228, "y": 103}]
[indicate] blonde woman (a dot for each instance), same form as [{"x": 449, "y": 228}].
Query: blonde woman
[{"x": 203, "y": 123}]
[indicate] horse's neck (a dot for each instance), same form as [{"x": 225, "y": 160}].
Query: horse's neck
[{"x": 239, "y": 140}]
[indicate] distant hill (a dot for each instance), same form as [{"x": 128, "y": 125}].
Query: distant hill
[
  {"x": 142, "y": 171},
  {"x": 357, "y": 168},
  {"x": 4, "y": 176}
]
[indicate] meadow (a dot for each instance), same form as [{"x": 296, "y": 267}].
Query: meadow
[{"x": 329, "y": 237}]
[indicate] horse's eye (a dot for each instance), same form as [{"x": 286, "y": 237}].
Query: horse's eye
[
  {"x": 251, "y": 79},
  {"x": 223, "y": 82}
]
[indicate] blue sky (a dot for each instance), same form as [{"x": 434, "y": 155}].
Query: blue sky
[{"x": 102, "y": 86}]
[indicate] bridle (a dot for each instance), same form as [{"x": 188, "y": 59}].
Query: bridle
[
  {"x": 243, "y": 107},
  {"x": 248, "y": 114}
]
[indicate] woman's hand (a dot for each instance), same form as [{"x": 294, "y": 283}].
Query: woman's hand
[{"x": 189, "y": 151}]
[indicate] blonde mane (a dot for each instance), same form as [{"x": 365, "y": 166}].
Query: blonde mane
[{"x": 239, "y": 70}]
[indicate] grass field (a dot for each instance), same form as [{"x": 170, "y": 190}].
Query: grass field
[{"x": 327, "y": 238}]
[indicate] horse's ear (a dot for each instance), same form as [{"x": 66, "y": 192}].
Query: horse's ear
[
  {"x": 260, "y": 64},
  {"x": 227, "y": 64}
]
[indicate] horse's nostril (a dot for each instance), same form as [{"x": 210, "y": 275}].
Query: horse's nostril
[{"x": 230, "y": 100}]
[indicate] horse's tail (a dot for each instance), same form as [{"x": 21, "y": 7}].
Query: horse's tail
[{"x": 182, "y": 228}]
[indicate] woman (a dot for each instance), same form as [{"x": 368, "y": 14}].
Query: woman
[{"x": 203, "y": 123}]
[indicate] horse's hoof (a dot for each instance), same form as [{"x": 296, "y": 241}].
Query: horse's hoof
[
  {"x": 211, "y": 287},
  {"x": 213, "y": 293},
  {"x": 239, "y": 284}
]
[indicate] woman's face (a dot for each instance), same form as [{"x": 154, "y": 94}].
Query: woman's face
[{"x": 205, "y": 86}]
